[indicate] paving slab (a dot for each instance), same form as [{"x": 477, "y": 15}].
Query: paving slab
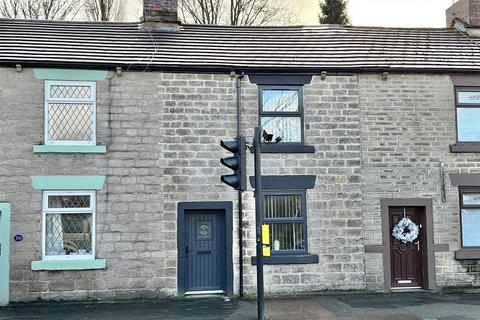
[
  {"x": 358, "y": 306},
  {"x": 202, "y": 309},
  {"x": 296, "y": 309}
]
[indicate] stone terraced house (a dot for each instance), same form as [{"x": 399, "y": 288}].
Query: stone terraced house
[{"x": 109, "y": 163}]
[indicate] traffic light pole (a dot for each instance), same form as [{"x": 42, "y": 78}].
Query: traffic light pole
[{"x": 257, "y": 140}]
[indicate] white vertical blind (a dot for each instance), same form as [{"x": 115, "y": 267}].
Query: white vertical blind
[
  {"x": 468, "y": 123},
  {"x": 471, "y": 227}
]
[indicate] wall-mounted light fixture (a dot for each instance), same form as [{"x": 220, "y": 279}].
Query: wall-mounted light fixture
[
  {"x": 118, "y": 71},
  {"x": 384, "y": 76},
  {"x": 323, "y": 75},
  {"x": 18, "y": 67}
]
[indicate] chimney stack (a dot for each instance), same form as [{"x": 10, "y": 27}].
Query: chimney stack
[
  {"x": 465, "y": 11},
  {"x": 161, "y": 15}
]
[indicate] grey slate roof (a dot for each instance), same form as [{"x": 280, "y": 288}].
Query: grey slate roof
[{"x": 225, "y": 48}]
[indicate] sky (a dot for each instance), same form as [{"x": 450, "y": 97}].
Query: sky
[{"x": 382, "y": 13}]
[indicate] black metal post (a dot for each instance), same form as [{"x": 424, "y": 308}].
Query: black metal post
[
  {"x": 259, "y": 219},
  {"x": 238, "y": 86}
]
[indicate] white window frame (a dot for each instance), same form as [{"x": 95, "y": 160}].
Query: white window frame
[
  {"x": 92, "y": 100},
  {"x": 91, "y": 210}
]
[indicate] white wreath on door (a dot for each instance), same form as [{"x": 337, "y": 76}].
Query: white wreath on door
[{"x": 406, "y": 230}]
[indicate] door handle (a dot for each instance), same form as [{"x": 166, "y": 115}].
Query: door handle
[
  {"x": 186, "y": 251},
  {"x": 418, "y": 245}
]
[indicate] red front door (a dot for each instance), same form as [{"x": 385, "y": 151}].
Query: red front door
[{"x": 406, "y": 258}]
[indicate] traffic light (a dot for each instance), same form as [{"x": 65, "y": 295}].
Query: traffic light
[{"x": 238, "y": 163}]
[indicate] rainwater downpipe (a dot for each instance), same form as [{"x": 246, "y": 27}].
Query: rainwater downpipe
[{"x": 238, "y": 85}]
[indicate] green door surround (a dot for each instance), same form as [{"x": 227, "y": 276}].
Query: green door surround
[{"x": 4, "y": 253}]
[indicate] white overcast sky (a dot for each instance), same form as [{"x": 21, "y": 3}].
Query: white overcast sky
[{"x": 384, "y": 13}]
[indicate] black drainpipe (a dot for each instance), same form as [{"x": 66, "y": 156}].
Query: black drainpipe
[{"x": 238, "y": 84}]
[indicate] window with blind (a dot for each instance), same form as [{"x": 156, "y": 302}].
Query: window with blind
[
  {"x": 285, "y": 212},
  {"x": 470, "y": 216},
  {"x": 69, "y": 225},
  {"x": 70, "y": 108},
  {"x": 468, "y": 114},
  {"x": 281, "y": 112}
]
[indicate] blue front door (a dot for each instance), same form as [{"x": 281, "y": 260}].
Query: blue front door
[{"x": 205, "y": 251}]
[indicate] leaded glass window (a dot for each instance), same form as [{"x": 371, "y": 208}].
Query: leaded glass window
[
  {"x": 70, "y": 112},
  {"x": 285, "y": 213},
  {"x": 468, "y": 115},
  {"x": 281, "y": 112},
  {"x": 69, "y": 225}
]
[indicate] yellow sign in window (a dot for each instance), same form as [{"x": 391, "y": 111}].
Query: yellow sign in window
[{"x": 266, "y": 240}]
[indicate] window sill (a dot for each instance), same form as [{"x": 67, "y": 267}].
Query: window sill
[
  {"x": 55, "y": 265},
  {"x": 69, "y": 149},
  {"x": 285, "y": 148},
  {"x": 467, "y": 254},
  {"x": 288, "y": 259},
  {"x": 465, "y": 147}
]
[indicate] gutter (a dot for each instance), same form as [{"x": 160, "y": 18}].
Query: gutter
[{"x": 435, "y": 69}]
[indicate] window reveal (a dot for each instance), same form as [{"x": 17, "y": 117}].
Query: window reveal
[
  {"x": 281, "y": 112},
  {"x": 468, "y": 114},
  {"x": 285, "y": 213},
  {"x": 69, "y": 224},
  {"x": 70, "y": 108},
  {"x": 470, "y": 216}
]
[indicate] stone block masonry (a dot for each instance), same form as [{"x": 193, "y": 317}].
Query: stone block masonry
[
  {"x": 334, "y": 206},
  {"x": 407, "y": 126},
  {"x": 373, "y": 139}
]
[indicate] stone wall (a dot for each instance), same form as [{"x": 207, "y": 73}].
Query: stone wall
[
  {"x": 131, "y": 232},
  {"x": 407, "y": 126},
  {"x": 162, "y": 132},
  {"x": 334, "y": 205}
]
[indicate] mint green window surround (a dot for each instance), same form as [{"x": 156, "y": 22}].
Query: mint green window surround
[
  {"x": 54, "y": 265},
  {"x": 80, "y": 134},
  {"x": 4, "y": 254},
  {"x": 69, "y": 149},
  {"x": 70, "y": 74},
  {"x": 68, "y": 182}
]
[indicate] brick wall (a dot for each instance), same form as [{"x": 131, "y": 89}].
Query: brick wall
[
  {"x": 465, "y": 10},
  {"x": 161, "y": 10}
]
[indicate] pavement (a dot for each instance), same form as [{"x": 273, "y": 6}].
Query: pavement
[{"x": 354, "y": 306}]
